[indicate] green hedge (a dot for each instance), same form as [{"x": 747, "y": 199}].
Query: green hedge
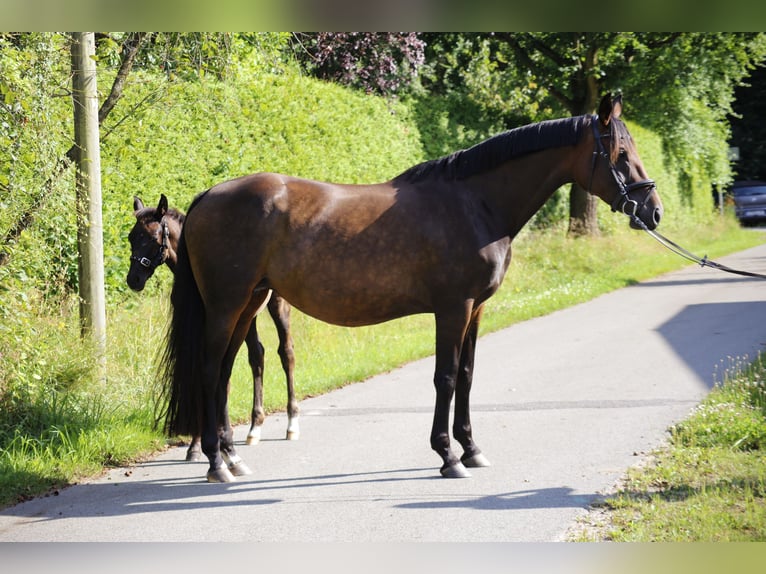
[{"x": 203, "y": 133}]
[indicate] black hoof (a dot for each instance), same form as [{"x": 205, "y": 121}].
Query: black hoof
[
  {"x": 193, "y": 455},
  {"x": 220, "y": 475}
]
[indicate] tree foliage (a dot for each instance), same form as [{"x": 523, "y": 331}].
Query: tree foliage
[
  {"x": 748, "y": 126},
  {"x": 679, "y": 84},
  {"x": 377, "y": 62}
]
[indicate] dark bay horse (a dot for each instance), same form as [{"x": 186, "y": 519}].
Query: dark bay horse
[
  {"x": 435, "y": 239},
  {"x": 154, "y": 242}
]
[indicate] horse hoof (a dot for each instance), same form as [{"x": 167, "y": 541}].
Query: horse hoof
[
  {"x": 456, "y": 470},
  {"x": 240, "y": 469},
  {"x": 220, "y": 475},
  {"x": 293, "y": 435},
  {"x": 193, "y": 456},
  {"x": 475, "y": 461},
  {"x": 253, "y": 437}
]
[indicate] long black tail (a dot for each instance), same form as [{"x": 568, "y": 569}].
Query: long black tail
[{"x": 182, "y": 363}]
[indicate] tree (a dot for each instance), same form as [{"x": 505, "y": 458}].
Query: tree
[{"x": 376, "y": 62}]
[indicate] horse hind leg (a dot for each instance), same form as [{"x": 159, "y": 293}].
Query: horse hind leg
[
  {"x": 223, "y": 343},
  {"x": 255, "y": 354},
  {"x": 279, "y": 309},
  {"x": 194, "y": 452}
]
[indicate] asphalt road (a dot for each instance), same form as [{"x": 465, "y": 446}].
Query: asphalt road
[{"x": 562, "y": 406}]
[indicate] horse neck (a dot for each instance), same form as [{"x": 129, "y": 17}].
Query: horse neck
[
  {"x": 174, "y": 234},
  {"x": 518, "y": 188}
]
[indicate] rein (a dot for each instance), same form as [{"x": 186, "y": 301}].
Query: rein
[
  {"x": 678, "y": 250},
  {"x": 159, "y": 259}
]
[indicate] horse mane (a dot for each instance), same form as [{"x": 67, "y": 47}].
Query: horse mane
[{"x": 500, "y": 148}]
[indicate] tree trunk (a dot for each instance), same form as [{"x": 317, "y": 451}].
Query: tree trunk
[
  {"x": 583, "y": 207},
  {"x": 583, "y": 212},
  {"x": 88, "y": 197}
]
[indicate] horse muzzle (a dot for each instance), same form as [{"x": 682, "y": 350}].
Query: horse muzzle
[
  {"x": 136, "y": 281},
  {"x": 647, "y": 216},
  {"x": 647, "y": 213}
]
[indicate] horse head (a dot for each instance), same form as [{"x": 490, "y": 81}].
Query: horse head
[
  {"x": 149, "y": 242},
  {"x": 616, "y": 173}
]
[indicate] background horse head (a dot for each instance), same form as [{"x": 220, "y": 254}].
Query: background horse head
[{"x": 153, "y": 240}]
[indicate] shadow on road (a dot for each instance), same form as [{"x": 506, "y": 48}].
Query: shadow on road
[
  {"x": 709, "y": 336},
  {"x": 559, "y": 497}
]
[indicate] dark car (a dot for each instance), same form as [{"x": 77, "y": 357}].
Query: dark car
[{"x": 750, "y": 201}]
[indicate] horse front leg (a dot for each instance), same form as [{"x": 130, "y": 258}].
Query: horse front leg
[
  {"x": 450, "y": 332},
  {"x": 461, "y": 429},
  {"x": 279, "y": 309}
]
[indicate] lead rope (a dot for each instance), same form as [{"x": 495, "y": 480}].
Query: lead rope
[{"x": 678, "y": 250}]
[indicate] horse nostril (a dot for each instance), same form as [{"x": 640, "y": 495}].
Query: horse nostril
[{"x": 656, "y": 216}]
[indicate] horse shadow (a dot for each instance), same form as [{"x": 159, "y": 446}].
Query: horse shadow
[
  {"x": 554, "y": 497},
  {"x": 180, "y": 492}
]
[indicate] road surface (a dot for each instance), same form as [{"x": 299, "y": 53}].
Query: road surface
[{"x": 562, "y": 406}]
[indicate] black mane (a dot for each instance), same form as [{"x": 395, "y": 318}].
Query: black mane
[{"x": 500, "y": 148}]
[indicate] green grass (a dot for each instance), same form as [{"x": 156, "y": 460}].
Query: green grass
[
  {"x": 59, "y": 426},
  {"x": 709, "y": 484}
]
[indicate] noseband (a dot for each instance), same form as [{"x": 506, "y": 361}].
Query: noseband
[
  {"x": 162, "y": 253},
  {"x": 623, "y": 202}
]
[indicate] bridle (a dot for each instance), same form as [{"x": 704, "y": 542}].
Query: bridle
[
  {"x": 623, "y": 202},
  {"x": 162, "y": 252},
  {"x": 630, "y": 207}
]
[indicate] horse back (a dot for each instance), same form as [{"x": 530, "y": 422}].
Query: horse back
[{"x": 346, "y": 254}]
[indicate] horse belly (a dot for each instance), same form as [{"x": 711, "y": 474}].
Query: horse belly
[{"x": 352, "y": 294}]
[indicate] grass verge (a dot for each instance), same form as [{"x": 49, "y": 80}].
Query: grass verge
[
  {"x": 708, "y": 484},
  {"x": 57, "y": 426}
]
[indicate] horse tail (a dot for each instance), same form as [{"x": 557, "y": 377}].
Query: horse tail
[{"x": 181, "y": 364}]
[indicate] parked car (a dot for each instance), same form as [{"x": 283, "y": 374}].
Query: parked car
[{"x": 750, "y": 201}]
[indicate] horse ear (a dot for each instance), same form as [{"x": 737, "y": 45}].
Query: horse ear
[
  {"x": 137, "y": 203},
  {"x": 605, "y": 110},
  {"x": 162, "y": 206},
  {"x": 617, "y": 106}
]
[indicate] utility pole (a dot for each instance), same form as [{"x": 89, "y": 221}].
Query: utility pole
[{"x": 90, "y": 242}]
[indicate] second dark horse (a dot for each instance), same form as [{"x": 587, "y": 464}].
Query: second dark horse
[{"x": 154, "y": 242}]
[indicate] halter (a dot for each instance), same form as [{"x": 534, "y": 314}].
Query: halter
[
  {"x": 623, "y": 202},
  {"x": 162, "y": 252}
]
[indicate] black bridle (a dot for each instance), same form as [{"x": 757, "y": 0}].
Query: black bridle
[
  {"x": 630, "y": 207},
  {"x": 162, "y": 252},
  {"x": 622, "y": 202}
]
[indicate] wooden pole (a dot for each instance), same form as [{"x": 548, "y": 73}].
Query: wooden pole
[{"x": 88, "y": 197}]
